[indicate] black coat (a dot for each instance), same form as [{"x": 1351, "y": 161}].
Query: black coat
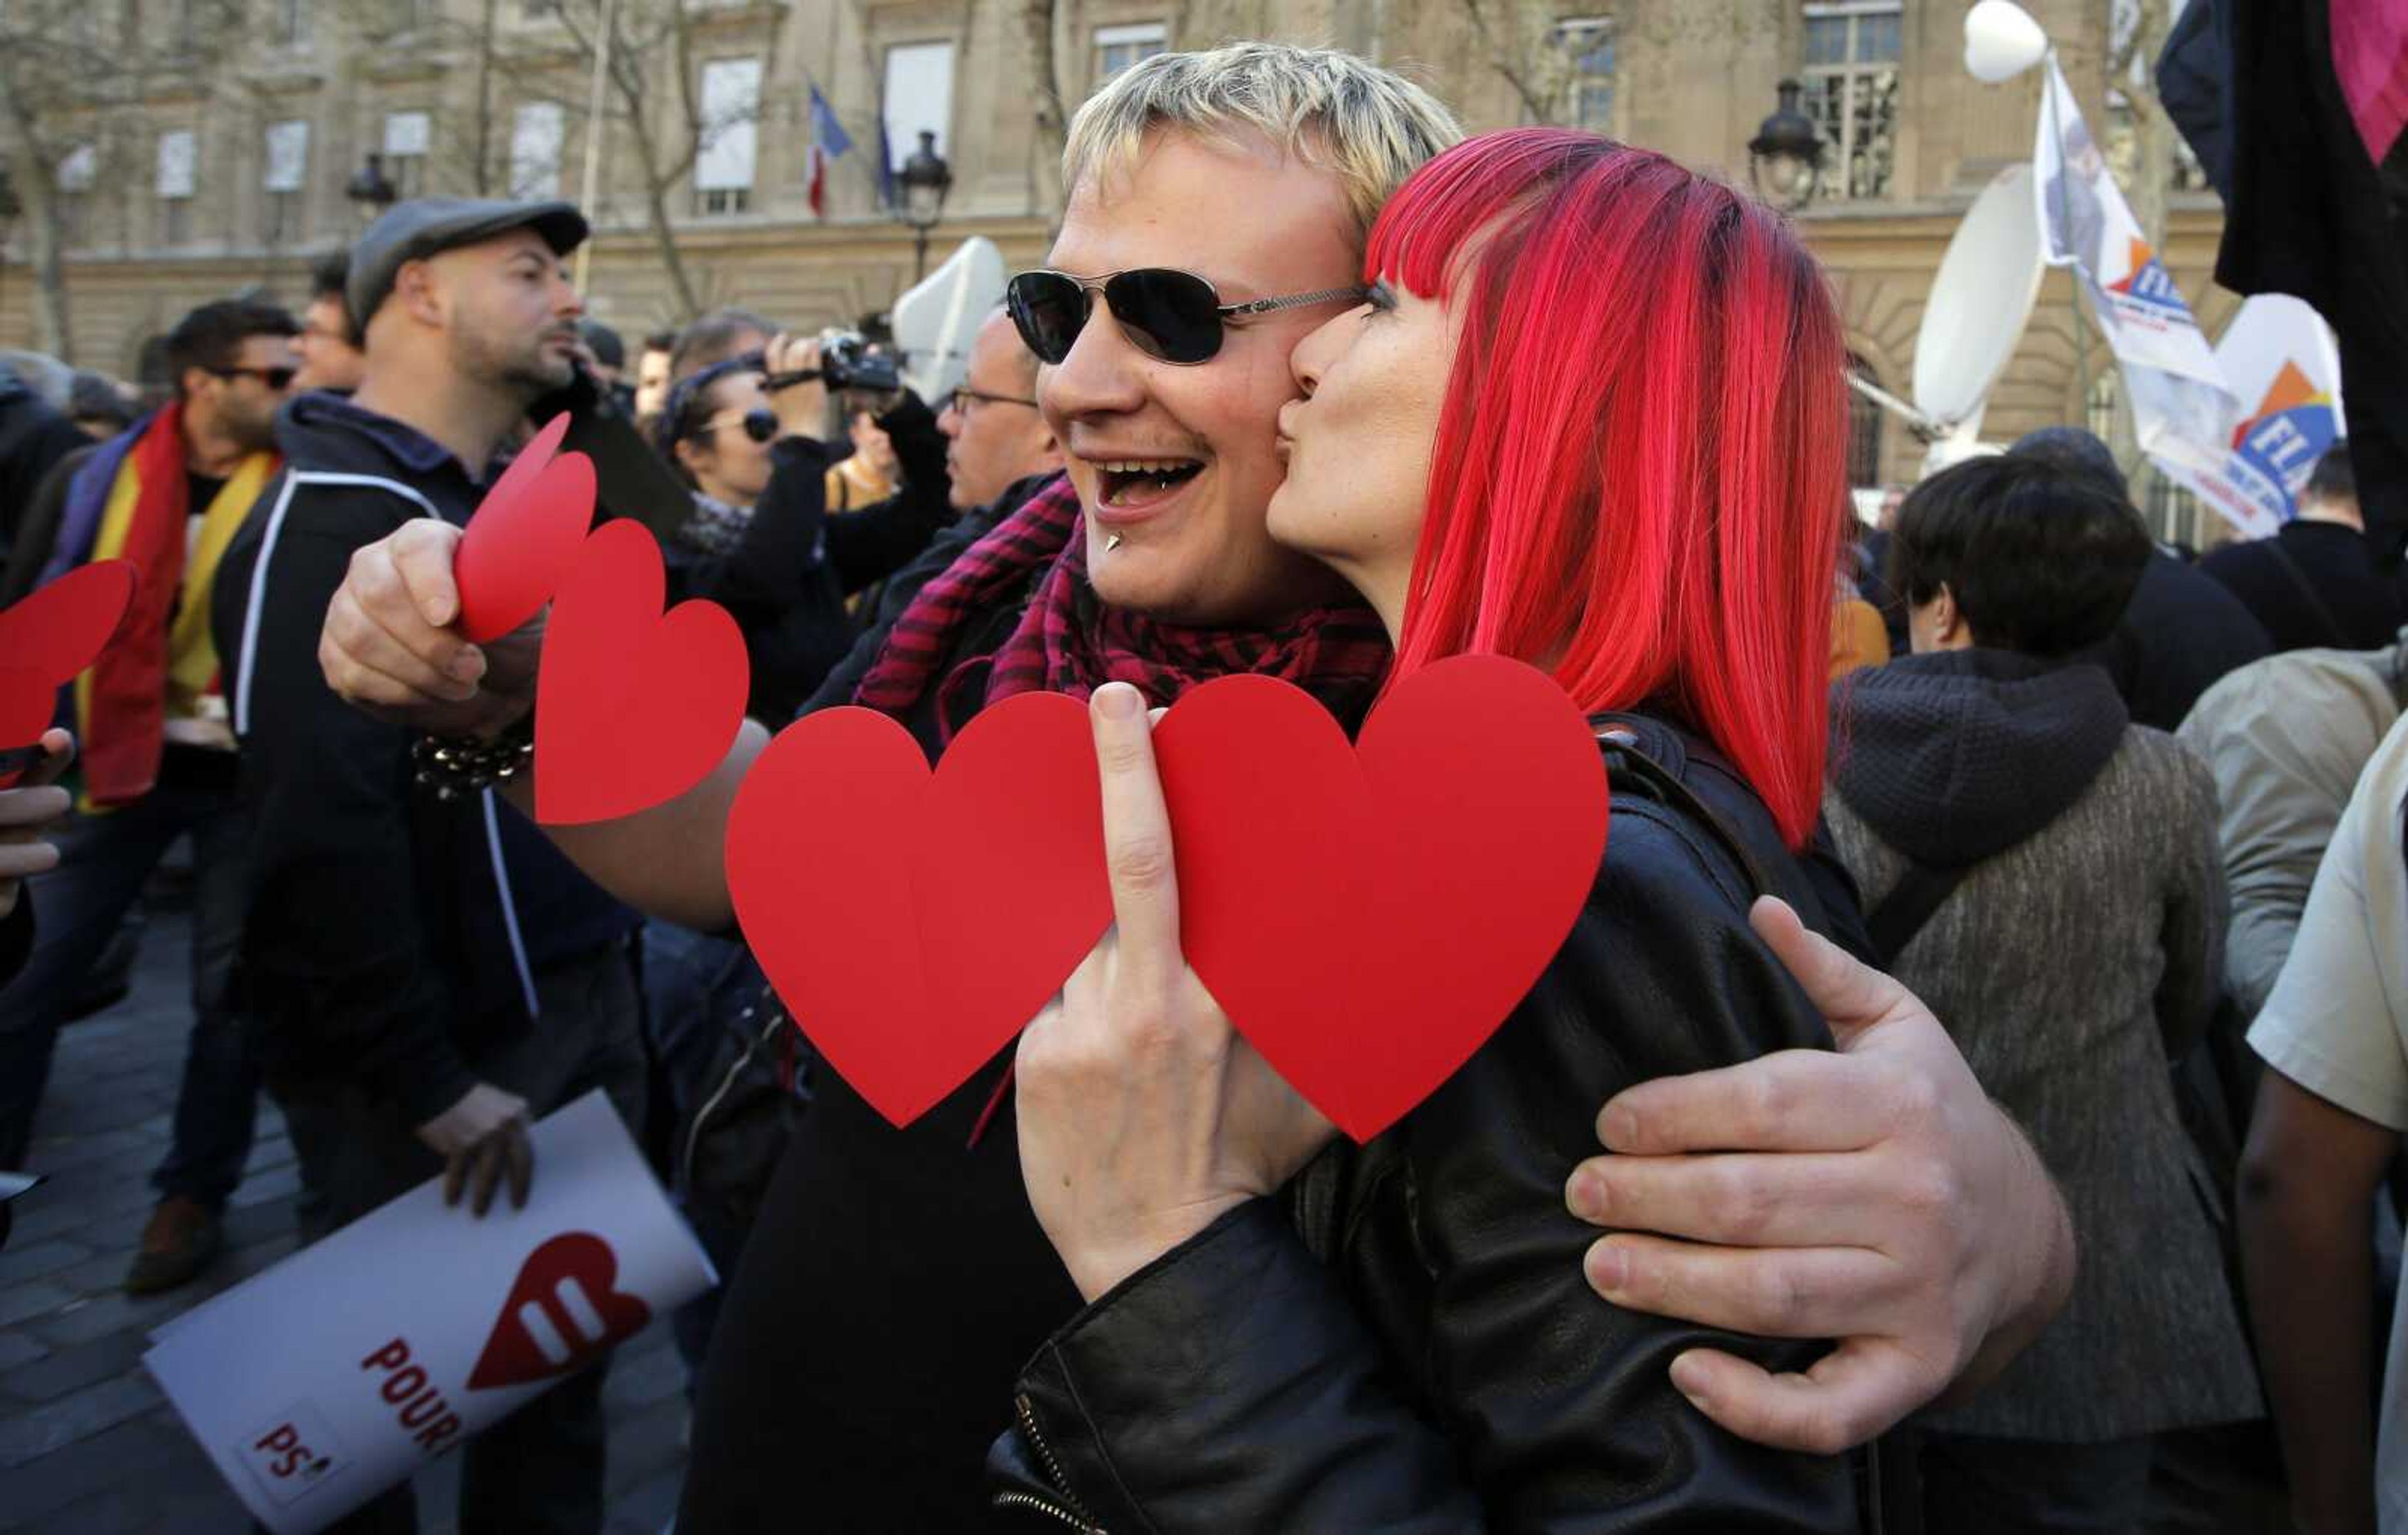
[
  {"x": 2313, "y": 585},
  {"x": 1405, "y": 1340},
  {"x": 2180, "y": 634}
]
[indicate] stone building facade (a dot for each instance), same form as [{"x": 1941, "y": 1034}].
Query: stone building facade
[{"x": 231, "y": 176}]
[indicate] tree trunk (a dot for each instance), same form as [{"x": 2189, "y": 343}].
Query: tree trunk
[
  {"x": 38, "y": 194},
  {"x": 483, "y": 175}
]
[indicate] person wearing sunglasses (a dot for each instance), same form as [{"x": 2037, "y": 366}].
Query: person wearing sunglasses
[
  {"x": 897, "y": 1281},
  {"x": 158, "y": 757}
]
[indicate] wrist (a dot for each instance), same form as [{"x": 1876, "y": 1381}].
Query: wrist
[{"x": 1099, "y": 1268}]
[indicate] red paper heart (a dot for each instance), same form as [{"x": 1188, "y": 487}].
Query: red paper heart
[
  {"x": 914, "y": 922},
  {"x": 562, "y": 1312},
  {"x": 60, "y": 629},
  {"x": 632, "y": 705},
  {"x": 48, "y": 636},
  {"x": 524, "y": 534},
  {"x": 1368, "y": 915}
]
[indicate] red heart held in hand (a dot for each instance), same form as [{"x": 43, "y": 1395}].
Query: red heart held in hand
[
  {"x": 524, "y": 534},
  {"x": 914, "y": 922},
  {"x": 632, "y": 705},
  {"x": 560, "y": 1313},
  {"x": 51, "y": 635},
  {"x": 1368, "y": 914}
]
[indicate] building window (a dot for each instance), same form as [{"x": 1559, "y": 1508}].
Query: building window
[
  {"x": 1117, "y": 47},
  {"x": 2098, "y": 410},
  {"x": 290, "y": 23},
  {"x": 284, "y": 220},
  {"x": 78, "y": 170},
  {"x": 406, "y": 137},
  {"x": 919, "y": 99},
  {"x": 1865, "y": 423},
  {"x": 178, "y": 156},
  {"x": 1588, "y": 92},
  {"x": 1851, "y": 84},
  {"x": 537, "y": 132},
  {"x": 731, "y": 123}
]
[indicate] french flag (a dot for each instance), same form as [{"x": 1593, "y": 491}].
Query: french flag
[{"x": 828, "y": 140}]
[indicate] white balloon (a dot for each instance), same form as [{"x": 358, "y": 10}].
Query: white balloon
[
  {"x": 2002, "y": 41},
  {"x": 1980, "y": 298}
]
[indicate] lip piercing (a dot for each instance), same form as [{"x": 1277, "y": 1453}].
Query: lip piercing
[{"x": 1112, "y": 542}]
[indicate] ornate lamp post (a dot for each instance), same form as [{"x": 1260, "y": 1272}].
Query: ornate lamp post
[
  {"x": 1784, "y": 159},
  {"x": 925, "y": 179},
  {"x": 370, "y": 188}
]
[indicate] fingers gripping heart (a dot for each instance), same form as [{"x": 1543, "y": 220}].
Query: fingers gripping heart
[{"x": 632, "y": 705}]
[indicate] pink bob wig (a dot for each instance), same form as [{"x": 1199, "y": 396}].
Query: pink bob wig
[{"x": 1639, "y": 480}]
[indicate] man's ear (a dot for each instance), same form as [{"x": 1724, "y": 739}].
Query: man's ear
[
  {"x": 421, "y": 297},
  {"x": 1948, "y": 620}
]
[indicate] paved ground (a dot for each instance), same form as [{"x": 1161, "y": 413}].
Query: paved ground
[{"x": 88, "y": 1445}]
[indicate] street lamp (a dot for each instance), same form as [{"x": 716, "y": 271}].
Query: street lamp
[
  {"x": 925, "y": 179},
  {"x": 1784, "y": 159},
  {"x": 369, "y": 187}
]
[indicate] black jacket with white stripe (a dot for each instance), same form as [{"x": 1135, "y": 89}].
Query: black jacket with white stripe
[{"x": 386, "y": 930}]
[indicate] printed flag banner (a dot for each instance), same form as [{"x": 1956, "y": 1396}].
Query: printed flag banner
[
  {"x": 2182, "y": 408},
  {"x": 337, "y": 1374},
  {"x": 2283, "y": 359}
]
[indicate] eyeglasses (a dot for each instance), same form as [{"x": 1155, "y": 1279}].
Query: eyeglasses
[
  {"x": 1170, "y": 315},
  {"x": 276, "y": 379},
  {"x": 760, "y": 423},
  {"x": 962, "y": 399}
]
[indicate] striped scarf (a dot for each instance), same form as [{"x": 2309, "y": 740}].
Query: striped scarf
[{"x": 1069, "y": 642}]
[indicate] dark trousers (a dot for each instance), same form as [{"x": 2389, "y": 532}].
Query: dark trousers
[
  {"x": 103, "y": 860},
  {"x": 539, "y": 1472},
  {"x": 1977, "y": 1485}
]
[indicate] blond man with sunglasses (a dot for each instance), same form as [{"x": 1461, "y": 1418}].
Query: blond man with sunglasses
[{"x": 898, "y": 1281}]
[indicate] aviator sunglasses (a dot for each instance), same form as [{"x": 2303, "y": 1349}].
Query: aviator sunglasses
[{"x": 1170, "y": 315}]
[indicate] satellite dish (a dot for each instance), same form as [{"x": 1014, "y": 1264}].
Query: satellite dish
[
  {"x": 2002, "y": 41},
  {"x": 1980, "y": 298},
  {"x": 935, "y": 322}
]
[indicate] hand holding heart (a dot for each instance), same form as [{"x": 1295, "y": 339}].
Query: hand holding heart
[{"x": 1143, "y": 1116}]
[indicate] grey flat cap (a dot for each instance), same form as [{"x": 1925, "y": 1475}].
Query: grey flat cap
[{"x": 422, "y": 226}]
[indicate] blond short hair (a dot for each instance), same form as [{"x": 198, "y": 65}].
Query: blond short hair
[{"x": 1368, "y": 127}]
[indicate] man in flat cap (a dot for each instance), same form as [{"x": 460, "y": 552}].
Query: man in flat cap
[{"x": 427, "y": 973}]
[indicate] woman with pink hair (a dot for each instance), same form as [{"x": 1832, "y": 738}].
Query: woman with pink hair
[{"x": 1590, "y": 416}]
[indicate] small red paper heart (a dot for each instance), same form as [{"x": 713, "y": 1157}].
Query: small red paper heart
[
  {"x": 912, "y": 922},
  {"x": 524, "y": 535},
  {"x": 1368, "y": 914},
  {"x": 562, "y": 1312},
  {"x": 59, "y": 630},
  {"x": 632, "y": 705}
]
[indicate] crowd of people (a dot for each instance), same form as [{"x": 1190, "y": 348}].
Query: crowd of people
[{"x": 1880, "y": 1151}]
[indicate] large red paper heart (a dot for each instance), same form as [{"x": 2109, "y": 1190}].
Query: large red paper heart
[
  {"x": 632, "y": 706},
  {"x": 914, "y": 922},
  {"x": 524, "y": 534},
  {"x": 562, "y": 1312},
  {"x": 48, "y": 636},
  {"x": 1368, "y": 914}
]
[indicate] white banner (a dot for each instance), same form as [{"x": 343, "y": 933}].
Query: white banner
[
  {"x": 2284, "y": 360},
  {"x": 338, "y": 1372},
  {"x": 2182, "y": 408}
]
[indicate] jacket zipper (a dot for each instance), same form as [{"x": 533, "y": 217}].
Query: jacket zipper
[{"x": 1068, "y": 1510}]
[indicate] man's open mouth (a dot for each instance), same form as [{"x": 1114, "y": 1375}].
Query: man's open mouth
[{"x": 1133, "y": 482}]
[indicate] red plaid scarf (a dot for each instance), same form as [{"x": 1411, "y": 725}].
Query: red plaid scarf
[{"x": 1067, "y": 642}]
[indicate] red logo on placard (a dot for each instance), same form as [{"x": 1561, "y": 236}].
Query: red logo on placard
[{"x": 562, "y": 1313}]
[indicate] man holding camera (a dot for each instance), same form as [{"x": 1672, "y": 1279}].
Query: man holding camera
[{"x": 403, "y": 942}]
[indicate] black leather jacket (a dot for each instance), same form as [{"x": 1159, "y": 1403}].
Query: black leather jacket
[{"x": 1403, "y": 1340}]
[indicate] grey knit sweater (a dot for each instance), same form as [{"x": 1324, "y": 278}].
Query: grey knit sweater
[{"x": 2080, "y": 953}]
